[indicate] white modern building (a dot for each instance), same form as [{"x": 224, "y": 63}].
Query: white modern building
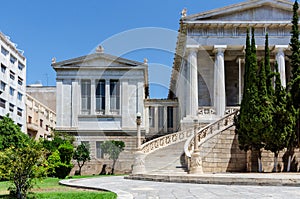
[{"x": 12, "y": 82}]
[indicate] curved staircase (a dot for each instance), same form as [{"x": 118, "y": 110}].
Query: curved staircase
[{"x": 171, "y": 154}]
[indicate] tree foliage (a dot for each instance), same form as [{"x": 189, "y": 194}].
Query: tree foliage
[
  {"x": 11, "y": 134},
  {"x": 81, "y": 155},
  {"x": 113, "y": 149},
  {"x": 294, "y": 84},
  {"x": 22, "y": 166}
]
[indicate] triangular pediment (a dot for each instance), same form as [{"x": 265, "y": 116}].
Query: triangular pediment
[
  {"x": 252, "y": 10},
  {"x": 97, "y": 60}
]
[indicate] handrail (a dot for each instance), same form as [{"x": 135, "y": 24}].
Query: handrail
[
  {"x": 166, "y": 140},
  {"x": 213, "y": 128}
]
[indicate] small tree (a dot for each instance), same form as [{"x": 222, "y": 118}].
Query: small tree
[
  {"x": 81, "y": 155},
  {"x": 113, "y": 149},
  {"x": 22, "y": 166}
]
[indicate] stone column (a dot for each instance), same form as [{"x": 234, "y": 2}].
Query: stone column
[
  {"x": 219, "y": 80},
  {"x": 280, "y": 59},
  {"x": 165, "y": 119},
  {"x": 107, "y": 97},
  {"x": 93, "y": 97},
  {"x": 75, "y": 104},
  {"x": 192, "y": 64}
]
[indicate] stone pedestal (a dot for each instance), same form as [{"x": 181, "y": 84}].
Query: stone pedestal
[
  {"x": 196, "y": 163},
  {"x": 139, "y": 163}
]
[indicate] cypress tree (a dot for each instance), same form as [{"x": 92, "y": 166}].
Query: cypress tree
[
  {"x": 283, "y": 121},
  {"x": 294, "y": 84},
  {"x": 248, "y": 123},
  {"x": 269, "y": 73}
]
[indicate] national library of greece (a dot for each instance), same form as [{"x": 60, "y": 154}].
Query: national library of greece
[{"x": 99, "y": 95}]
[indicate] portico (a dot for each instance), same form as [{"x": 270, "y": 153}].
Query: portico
[{"x": 208, "y": 74}]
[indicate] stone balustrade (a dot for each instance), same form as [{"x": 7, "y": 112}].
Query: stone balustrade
[
  {"x": 209, "y": 131},
  {"x": 166, "y": 140}
]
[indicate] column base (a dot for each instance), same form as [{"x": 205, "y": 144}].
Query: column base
[
  {"x": 139, "y": 163},
  {"x": 196, "y": 164}
]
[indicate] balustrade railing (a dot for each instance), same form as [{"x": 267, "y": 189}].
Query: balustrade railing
[
  {"x": 166, "y": 140},
  {"x": 208, "y": 131}
]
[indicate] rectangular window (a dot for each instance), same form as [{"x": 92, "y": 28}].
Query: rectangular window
[
  {"x": 20, "y": 66},
  {"x": 19, "y": 112},
  {"x": 20, "y": 96},
  {"x": 47, "y": 128},
  {"x": 151, "y": 116},
  {"x": 29, "y": 119},
  {"x": 2, "y": 86},
  {"x": 20, "y": 81},
  {"x": 161, "y": 117},
  {"x": 100, "y": 96},
  {"x": 2, "y": 103},
  {"x": 99, "y": 152},
  {"x": 12, "y": 59},
  {"x": 114, "y": 95},
  {"x": 11, "y": 91},
  {"x": 41, "y": 123},
  {"x": 12, "y": 75},
  {"x": 3, "y": 68},
  {"x": 170, "y": 117},
  {"x": 11, "y": 107},
  {"x": 85, "y": 96},
  {"x": 4, "y": 51}
]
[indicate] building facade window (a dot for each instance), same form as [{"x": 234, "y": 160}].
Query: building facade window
[
  {"x": 4, "y": 51},
  {"x": 99, "y": 152},
  {"x": 3, "y": 68},
  {"x": 20, "y": 66},
  {"x": 20, "y": 96},
  {"x": 41, "y": 123},
  {"x": 12, "y": 59},
  {"x": 19, "y": 112},
  {"x": 85, "y": 96},
  {"x": 151, "y": 116},
  {"x": 47, "y": 128},
  {"x": 100, "y": 96},
  {"x": 11, "y": 107},
  {"x": 20, "y": 81},
  {"x": 114, "y": 95},
  {"x": 12, "y": 75},
  {"x": 29, "y": 119},
  {"x": 2, "y": 86},
  {"x": 2, "y": 103},
  {"x": 11, "y": 91},
  {"x": 170, "y": 112}
]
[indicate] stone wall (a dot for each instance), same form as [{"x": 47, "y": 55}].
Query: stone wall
[{"x": 222, "y": 154}]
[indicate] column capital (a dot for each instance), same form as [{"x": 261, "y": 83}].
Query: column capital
[
  {"x": 192, "y": 48},
  {"x": 280, "y": 48},
  {"x": 219, "y": 48}
]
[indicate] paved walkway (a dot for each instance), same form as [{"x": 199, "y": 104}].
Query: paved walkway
[{"x": 129, "y": 189}]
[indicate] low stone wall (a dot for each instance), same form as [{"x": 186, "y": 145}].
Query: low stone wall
[{"x": 222, "y": 154}]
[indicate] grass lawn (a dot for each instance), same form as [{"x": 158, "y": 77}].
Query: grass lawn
[{"x": 49, "y": 188}]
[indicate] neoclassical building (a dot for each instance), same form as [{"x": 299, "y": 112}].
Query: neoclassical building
[
  {"x": 99, "y": 95},
  {"x": 210, "y": 51}
]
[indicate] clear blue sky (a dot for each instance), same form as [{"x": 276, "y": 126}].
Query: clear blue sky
[{"x": 70, "y": 28}]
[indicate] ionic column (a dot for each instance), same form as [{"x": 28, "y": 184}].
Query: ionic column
[
  {"x": 280, "y": 59},
  {"x": 192, "y": 109},
  {"x": 219, "y": 80}
]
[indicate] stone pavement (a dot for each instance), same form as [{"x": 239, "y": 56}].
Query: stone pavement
[{"x": 129, "y": 189}]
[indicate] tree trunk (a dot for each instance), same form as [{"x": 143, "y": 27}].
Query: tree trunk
[
  {"x": 259, "y": 162},
  {"x": 113, "y": 167},
  {"x": 275, "y": 161},
  {"x": 288, "y": 169}
]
